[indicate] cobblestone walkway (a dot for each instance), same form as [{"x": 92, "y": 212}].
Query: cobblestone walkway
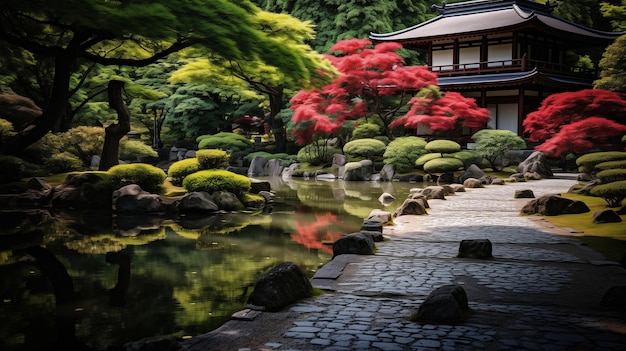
[{"x": 542, "y": 290}]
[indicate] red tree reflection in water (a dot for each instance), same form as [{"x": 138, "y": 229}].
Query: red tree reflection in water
[{"x": 313, "y": 229}]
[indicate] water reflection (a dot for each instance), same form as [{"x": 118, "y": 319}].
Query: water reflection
[{"x": 187, "y": 275}]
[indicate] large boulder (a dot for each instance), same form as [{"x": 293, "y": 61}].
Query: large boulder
[
  {"x": 288, "y": 172},
  {"x": 196, "y": 202},
  {"x": 447, "y": 304},
  {"x": 554, "y": 205},
  {"x": 475, "y": 248},
  {"x": 132, "y": 199},
  {"x": 383, "y": 216},
  {"x": 355, "y": 243},
  {"x": 257, "y": 167},
  {"x": 524, "y": 194},
  {"x": 372, "y": 223},
  {"x": 282, "y": 286},
  {"x": 473, "y": 183},
  {"x": 227, "y": 201},
  {"x": 410, "y": 207},
  {"x": 535, "y": 163},
  {"x": 361, "y": 170},
  {"x": 472, "y": 171},
  {"x": 606, "y": 216},
  {"x": 387, "y": 173},
  {"x": 274, "y": 167}
]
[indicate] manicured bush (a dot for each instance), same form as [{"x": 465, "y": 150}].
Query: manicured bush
[
  {"x": 366, "y": 131},
  {"x": 443, "y": 165},
  {"x": 613, "y": 193},
  {"x": 611, "y": 165},
  {"x": 419, "y": 163},
  {"x": 180, "y": 169},
  {"x": 217, "y": 179},
  {"x": 317, "y": 153},
  {"x": 403, "y": 152},
  {"x": 148, "y": 177},
  {"x": 587, "y": 163},
  {"x": 236, "y": 145},
  {"x": 63, "y": 162},
  {"x": 493, "y": 144},
  {"x": 612, "y": 175},
  {"x": 443, "y": 146},
  {"x": 212, "y": 158},
  {"x": 364, "y": 148},
  {"x": 133, "y": 149},
  {"x": 467, "y": 157}
]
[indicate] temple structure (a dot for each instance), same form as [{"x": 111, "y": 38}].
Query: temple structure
[{"x": 507, "y": 54}]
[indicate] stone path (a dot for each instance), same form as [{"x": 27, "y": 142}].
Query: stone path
[{"x": 542, "y": 290}]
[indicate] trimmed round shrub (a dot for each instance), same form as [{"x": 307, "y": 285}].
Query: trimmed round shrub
[
  {"x": 212, "y": 158},
  {"x": 217, "y": 179},
  {"x": 133, "y": 149},
  {"x": 613, "y": 193},
  {"x": 467, "y": 157},
  {"x": 421, "y": 161},
  {"x": 317, "y": 153},
  {"x": 611, "y": 165},
  {"x": 587, "y": 163},
  {"x": 443, "y": 146},
  {"x": 365, "y": 148},
  {"x": 63, "y": 162},
  {"x": 148, "y": 177},
  {"x": 443, "y": 165},
  {"x": 366, "y": 131},
  {"x": 180, "y": 169},
  {"x": 403, "y": 152},
  {"x": 612, "y": 175},
  {"x": 236, "y": 145}
]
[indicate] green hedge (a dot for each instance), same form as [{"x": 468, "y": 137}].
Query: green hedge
[
  {"x": 610, "y": 165},
  {"x": 613, "y": 193},
  {"x": 148, "y": 177},
  {"x": 587, "y": 163},
  {"x": 212, "y": 158},
  {"x": 421, "y": 161},
  {"x": 443, "y": 146},
  {"x": 317, "y": 153},
  {"x": 443, "y": 165},
  {"x": 403, "y": 152},
  {"x": 612, "y": 175},
  {"x": 180, "y": 169},
  {"x": 366, "y": 148},
  {"x": 217, "y": 179}
]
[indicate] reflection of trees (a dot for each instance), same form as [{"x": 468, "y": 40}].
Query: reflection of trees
[{"x": 316, "y": 233}]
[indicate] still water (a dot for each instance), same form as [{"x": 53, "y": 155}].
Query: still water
[{"x": 186, "y": 276}]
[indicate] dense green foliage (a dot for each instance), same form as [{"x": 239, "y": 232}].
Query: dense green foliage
[
  {"x": 132, "y": 150},
  {"x": 364, "y": 148},
  {"x": 612, "y": 175},
  {"x": 467, "y": 157},
  {"x": 403, "y": 152},
  {"x": 212, "y": 158},
  {"x": 286, "y": 158},
  {"x": 587, "y": 163},
  {"x": 493, "y": 144},
  {"x": 148, "y": 177},
  {"x": 613, "y": 193},
  {"x": 63, "y": 162},
  {"x": 217, "y": 180},
  {"x": 236, "y": 145},
  {"x": 613, "y": 67},
  {"x": 317, "y": 153},
  {"x": 443, "y": 146},
  {"x": 180, "y": 169},
  {"x": 366, "y": 130},
  {"x": 421, "y": 161},
  {"x": 610, "y": 165},
  {"x": 443, "y": 165}
]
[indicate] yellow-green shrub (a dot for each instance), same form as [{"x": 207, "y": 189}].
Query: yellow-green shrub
[
  {"x": 212, "y": 158},
  {"x": 180, "y": 169},
  {"x": 148, "y": 177},
  {"x": 217, "y": 179}
]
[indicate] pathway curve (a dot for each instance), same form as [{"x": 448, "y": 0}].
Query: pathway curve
[{"x": 542, "y": 290}]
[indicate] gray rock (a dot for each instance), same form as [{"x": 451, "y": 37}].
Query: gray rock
[
  {"x": 386, "y": 199},
  {"x": 554, "y": 205},
  {"x": 475, "y": 248},
  {"x": 473, "y": 171},
  {"x": 358, "y": 171},
  {"x": 198, "y": 201},
  {"x": 257, "y": 167},
  {"x": 606, "y": 216},
  {"x": 282, "y": 286},
  {"x": 132, "y": 199},
  {"x": 256, "y": 186},
  {"x": 447, "y": 304},
  {"x": 410, "y": 207},
  {"x": 524, "y": 194},
  {"x": 372, "y": 224},
  {"x": 387, "y": 173},
  {"x": 339, "y": 160},
  {"x": 288, "y": 172},
  {"x": 535, "y": 163},
  {"x": 473, "y": 183},
  {"x": 275, "y": 167},
  {"x": 383, "y": 216},
  {"x": 356, "y": 243},
  {"x": 227, "y": 201}
]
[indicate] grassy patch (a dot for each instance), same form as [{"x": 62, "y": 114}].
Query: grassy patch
[{"x": 608, "y": 238}]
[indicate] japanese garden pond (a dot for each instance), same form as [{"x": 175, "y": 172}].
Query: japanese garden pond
[{"x": 186, "y": 276}]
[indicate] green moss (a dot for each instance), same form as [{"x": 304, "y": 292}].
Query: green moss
[
  {"x": 587, "y": 163},
  {"x": 148, "y": 177},
  {"x": 212, "y": 158},
  {"x": 443, "y": 165},
  {"x": 443, "y": 146},
  {"x": 366, "y": 148},
  {"x": 214, "y": 180},
  {"x": 180, "y": 169}
]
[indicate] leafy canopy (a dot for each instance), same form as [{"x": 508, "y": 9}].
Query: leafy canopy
[{"x": 492, "y": 144}]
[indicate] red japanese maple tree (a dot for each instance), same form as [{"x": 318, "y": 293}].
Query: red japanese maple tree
[
  {"x": 443, "y": 112},
  {"x": 578, "y": 122},
  {"x": 372, "y": 80}
]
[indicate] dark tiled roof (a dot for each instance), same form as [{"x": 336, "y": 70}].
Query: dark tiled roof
[
  {"x": 492, "y": 16},
  {"x": 510, "y": 78}
]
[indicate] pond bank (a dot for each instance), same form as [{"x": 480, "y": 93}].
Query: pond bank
[{"x": 542, "y": 290}]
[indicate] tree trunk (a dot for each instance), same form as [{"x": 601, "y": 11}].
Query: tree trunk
[
  {"x": 115, "y": 132},
  {"x": 51, "y": 114},
  {"x": 277, "y": 125}
]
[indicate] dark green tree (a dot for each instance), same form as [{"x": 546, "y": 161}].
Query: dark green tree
[{"x": 127, "y": 33}]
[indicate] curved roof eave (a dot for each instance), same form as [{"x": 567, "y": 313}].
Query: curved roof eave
[{"x": 508, "y": 79}]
